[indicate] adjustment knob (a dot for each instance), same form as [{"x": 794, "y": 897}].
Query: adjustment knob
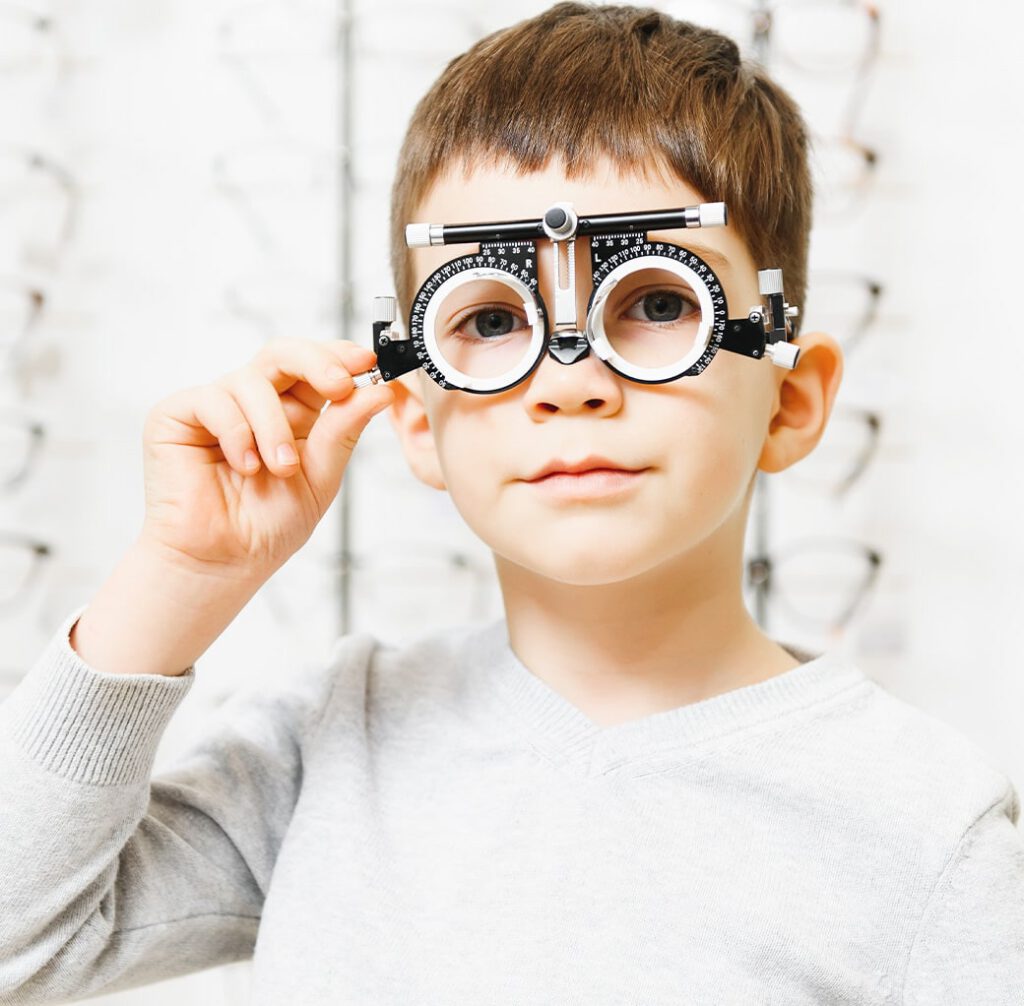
[
  {"x": 769, "y": 281},
  {"x": 560, "y": 221},
  {"x": 424, "y": 235},
  {"x": 711, "y": 214},
  {"x": 783, "y": 354},
  {"x": 555, "y": 217},
  {"x": 383, "y": 310}
]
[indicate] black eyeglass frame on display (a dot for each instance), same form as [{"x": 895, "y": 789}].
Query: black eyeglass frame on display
[
  {"x": 33, "y": 161},
  {"x": 32, "y": 433},
  {"x": 33, "y": 299},
  {"x": 38, "y": 552},
  {"x": 762, "y": 576},
  {"x": 852, "y": 327},
  {"x": 868, "y": 420}
]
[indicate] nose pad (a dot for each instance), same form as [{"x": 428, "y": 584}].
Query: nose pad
[{"x": 568, "y": 347}]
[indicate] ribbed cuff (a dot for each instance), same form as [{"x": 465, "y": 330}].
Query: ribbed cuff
[{"x": 88, "y": 725}]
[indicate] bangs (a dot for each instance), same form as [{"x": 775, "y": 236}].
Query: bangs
[{"x": 660, "y": 98}]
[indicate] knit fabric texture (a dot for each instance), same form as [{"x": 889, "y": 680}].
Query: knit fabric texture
[{"x": 432, "y": 823}]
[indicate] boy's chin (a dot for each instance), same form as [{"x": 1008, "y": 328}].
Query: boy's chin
[{"x": 598, "y": 565}]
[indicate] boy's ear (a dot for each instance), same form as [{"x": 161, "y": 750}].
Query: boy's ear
[
  {"x": 411, "y": 423},
  {"x": 803, "y": 402}
]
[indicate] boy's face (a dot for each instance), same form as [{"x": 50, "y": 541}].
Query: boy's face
[{"x": 697, "y": 440}]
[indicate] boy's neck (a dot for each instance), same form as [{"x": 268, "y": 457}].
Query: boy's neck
[{"x": 671, "y": 636}]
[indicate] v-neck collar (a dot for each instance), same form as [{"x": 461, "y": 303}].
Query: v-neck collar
[{"x": 563, "y": 734}]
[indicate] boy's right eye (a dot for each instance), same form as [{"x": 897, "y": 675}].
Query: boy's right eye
[{"x": 489, "y": 322}]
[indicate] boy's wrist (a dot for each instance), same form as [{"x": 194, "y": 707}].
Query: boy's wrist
[
  {"x": 157, "y": 613},
  {"x": 190, "y": 569}
]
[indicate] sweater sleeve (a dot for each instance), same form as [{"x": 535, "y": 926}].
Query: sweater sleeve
[
  {"x": 109, "y": 879},
  {"x": 969, "y": 946}
]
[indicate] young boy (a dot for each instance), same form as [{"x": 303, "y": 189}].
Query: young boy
[{"x": 623, "y": 792}]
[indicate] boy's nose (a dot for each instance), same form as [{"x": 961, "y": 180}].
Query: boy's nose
[{"x": 588, "y": 386}]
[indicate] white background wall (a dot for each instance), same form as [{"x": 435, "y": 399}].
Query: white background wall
[{"x": 149, "y": 97}]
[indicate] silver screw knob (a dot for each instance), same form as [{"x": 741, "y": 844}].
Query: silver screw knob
[
  {"x": 783, "y": 354},
  {"x": 384, "y": 309},
  {"x": 769, "y": 281}
]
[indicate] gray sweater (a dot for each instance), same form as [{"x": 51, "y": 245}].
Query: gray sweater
[{"x": 432, "y": 824}]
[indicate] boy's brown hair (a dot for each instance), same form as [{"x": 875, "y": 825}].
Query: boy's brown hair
[{"x": 651, "y": 92}]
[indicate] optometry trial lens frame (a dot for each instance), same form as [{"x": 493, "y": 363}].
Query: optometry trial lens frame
[{"x": 508, "y": 251}]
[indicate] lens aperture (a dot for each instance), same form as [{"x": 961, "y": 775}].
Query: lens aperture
[
  {"x": 483, "y": 327},
  {"x": 652, "y": 318}
]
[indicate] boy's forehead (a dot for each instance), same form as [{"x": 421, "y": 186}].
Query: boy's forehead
[{"x": 487, "y": 193}]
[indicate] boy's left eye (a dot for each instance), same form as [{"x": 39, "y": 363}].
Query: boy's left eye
[{"x": 660, "y": 306}]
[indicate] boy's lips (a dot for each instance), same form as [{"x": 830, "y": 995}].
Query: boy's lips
[
  {"x": 591, "y": 463},
  {"x": 590, "y": 478}
]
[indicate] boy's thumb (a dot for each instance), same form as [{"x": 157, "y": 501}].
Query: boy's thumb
[{"x": 334, "y": 436}]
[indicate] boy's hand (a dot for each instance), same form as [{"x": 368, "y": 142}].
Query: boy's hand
[{"x": 205, "y": 506}]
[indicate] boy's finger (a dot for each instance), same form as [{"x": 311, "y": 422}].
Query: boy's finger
[
  {"x": 212, "y": 409},
  {"x": 307, "y": 395},
  {"x": 263, "y": 410},
  {"x": 300, "y": 416},
  {"x": 327, "y": 367},
  {"x": 334, "y": 435}
]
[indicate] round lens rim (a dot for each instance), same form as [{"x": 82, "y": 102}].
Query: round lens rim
[
  {"x": 709, "y": 317},
  {"x": 535, "y": 315}
]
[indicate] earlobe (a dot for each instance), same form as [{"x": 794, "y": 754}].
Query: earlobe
[
  {"x": 803, "y": 402},
  {"x": 412, "y": 425}
]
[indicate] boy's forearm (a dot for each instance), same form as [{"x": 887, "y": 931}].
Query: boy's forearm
[{"x": 152, "y": 615}]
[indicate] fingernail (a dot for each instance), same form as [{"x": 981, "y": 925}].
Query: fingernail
[
  {"x": 336, "y": 374},
  {"x": 252, "y": 462},
  {"x": 286, "y": 455}
]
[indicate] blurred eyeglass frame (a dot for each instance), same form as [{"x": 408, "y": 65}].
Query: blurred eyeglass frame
[
  {"x": 762, "y": 575},
  {"x": 37, "y": 552}
]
